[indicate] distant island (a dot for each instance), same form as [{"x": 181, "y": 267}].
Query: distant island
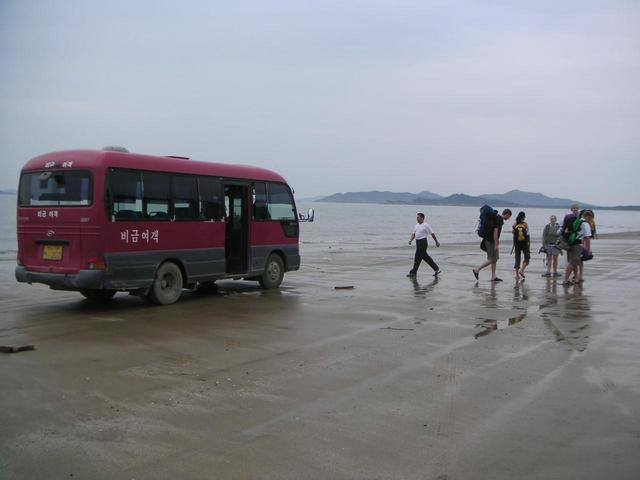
[
  {"x": 513, "y": 198},
  {"x": 8, "y": 192}
]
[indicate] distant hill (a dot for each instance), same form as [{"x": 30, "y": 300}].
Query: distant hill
[
  {"x": 532, "y": 199},
  {"x": 8, "y": 192},
  {"x": 511, "y": 199},
  {"x": 462, "y": 200},
  {"x": 309, "y": 199},
  {"x": 378, "y": 197},
  {"x": 406, "y": 198},
  {"x": 426, "y": 194}
]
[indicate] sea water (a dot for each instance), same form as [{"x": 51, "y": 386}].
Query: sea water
[
  {"x": 378, "y": 226},
  {"x": 373, "y": 226}
]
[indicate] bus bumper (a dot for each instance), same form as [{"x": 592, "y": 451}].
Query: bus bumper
[
  {"x": 84, "y": 279},
  {"x": 293, "y": 262}
]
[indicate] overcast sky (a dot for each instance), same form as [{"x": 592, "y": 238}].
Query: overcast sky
[{"x": 474, "y": 97}]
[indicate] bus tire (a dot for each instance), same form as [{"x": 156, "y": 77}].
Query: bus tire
[
  {"x": 167, "y": 284},
  {"x": 273, "y": 272},
  {"x": 98, "y": 295}
]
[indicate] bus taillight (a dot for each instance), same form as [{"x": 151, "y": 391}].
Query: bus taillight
[{"x": 96, "y": 263}]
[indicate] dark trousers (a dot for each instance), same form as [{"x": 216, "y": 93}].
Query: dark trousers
[
  {"x": 421, "y": 254},
  {"x": 520, "y": 248}
]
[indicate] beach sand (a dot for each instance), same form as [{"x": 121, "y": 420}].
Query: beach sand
[{"x": 392, "y": 379}]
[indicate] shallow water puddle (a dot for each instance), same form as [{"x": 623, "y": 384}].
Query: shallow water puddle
[{"x": 490, "y": 325}]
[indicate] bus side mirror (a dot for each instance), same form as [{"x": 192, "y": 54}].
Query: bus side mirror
[{"x": 309, "y": 217}]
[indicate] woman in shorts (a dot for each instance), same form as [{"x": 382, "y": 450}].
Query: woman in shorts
[{"x": 550, "y": 236}]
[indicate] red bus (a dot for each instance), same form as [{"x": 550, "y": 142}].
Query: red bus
[{"x": 100, "y": 222}]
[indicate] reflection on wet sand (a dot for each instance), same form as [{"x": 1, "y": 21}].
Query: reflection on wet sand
[
  {"x": 488, "y": 297},
  {"x": 422, "y": 290},
  {"x": 567, "y": 315},
  {"x": 520, "y": 292},
  {"x": 490, "y": 301},
  {"x": 566, "y": 312},
  {"x": 489, "y": 325}
]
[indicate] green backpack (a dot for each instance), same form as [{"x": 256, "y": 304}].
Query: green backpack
[{"x": 572, "y": 234}]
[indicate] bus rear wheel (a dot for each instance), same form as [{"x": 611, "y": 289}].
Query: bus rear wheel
[
  {"x": 167, "y": 284},
  {"x": 273, "y": 272},
  {"x": 98, "y": 295}
]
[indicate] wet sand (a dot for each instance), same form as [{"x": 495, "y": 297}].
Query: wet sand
[{"x": 393, "y": 379}]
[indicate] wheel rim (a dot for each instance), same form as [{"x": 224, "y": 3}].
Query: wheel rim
[
  {"x": 168, "y": 282},
  {"x": 273, "y": 272}
]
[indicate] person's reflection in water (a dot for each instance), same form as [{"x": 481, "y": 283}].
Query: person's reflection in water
[
  {"x": 488, "y": 296},
  {"x": 520, "y": 292},
  {"x": 568, "y": 315},
  {"x": 488, "y": 300},
  {"x": 552, "y": 289},
  {"x": 422, "y": 290}
]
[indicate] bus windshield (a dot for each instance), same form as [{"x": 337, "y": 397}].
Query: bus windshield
[{"x": 55, "y": 189}]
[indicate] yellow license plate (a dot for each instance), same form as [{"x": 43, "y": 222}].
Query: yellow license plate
[{"x": 52, "y": 252}]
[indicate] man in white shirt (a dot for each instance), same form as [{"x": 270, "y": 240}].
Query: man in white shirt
[
  {"x": 585, "y": 236},
  {"x": 420, "y": 233}
]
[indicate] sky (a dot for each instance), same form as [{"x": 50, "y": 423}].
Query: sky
[{"x": 447, "y": 96}]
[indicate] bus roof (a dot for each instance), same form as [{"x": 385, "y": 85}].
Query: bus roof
[{"x": 98, "y": 158}]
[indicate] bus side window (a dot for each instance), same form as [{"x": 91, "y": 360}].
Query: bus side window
[
  {"x": 211, "y": 198},
  {"x": 156, "y": 188},
  {"x": 185, "y": 198},
  {"x": 126, "y": 188},
  {"x": 260, "y": 209},
  {"x": 280, "y": 202}
]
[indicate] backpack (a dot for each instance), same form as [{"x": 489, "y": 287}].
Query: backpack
[
  {"x": 485, "y": 223},
  {"x": 520, "y": 232},
  {"x": 574, "y": 229}
]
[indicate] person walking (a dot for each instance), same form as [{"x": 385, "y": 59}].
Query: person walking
[
  {"x": 492, "y": 245},
  {"x": 587, "y": 235},
  {"x": 521, "y": 244},
  {"x": 420, "y": 233},
  {"x": 574, "y": 230},
  {"x": 550, "y": 236}
]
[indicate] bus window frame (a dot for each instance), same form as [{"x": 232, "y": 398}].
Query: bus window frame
[
  {"x": 145, "y": 200},
  {"x": 40, "y": 172},
  {"x": 266, "y": 194},
  {"x": 291, "y": 198},
  {"x": 109, "y": 196},
  {"x": 172, "y": 199},
  {"x": 110, "y": 212},
  {"x": 221, "y": 208}
]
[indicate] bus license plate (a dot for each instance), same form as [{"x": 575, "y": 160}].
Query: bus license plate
[{"x": 52, "y": 252}]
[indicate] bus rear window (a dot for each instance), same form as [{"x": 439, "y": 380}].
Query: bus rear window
[{"x": 55, "y": 189}]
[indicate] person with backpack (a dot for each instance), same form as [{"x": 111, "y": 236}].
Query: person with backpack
[
  {"x": 574, "y": 230},
  {"x": 489, "y": 229},
  {"x": 587, "y": 216},
  {"x": 521, "y": 244},
  {"x": 550, "y": 236},
  {"x": 591, "y": 220},
  {"x": 420, "y": 233}
]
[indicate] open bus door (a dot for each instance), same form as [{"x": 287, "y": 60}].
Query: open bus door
[{"x": 236, "y": 219}]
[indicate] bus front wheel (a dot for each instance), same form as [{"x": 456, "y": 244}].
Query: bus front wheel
[
  {"x": 167, "y": 285},
  {"x": 98, "y": 295},
  {"x": 273, "y": 272}
]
